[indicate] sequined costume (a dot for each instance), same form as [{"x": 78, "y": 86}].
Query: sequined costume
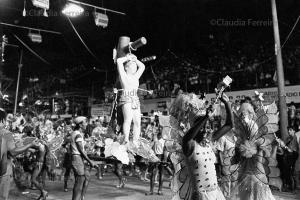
[
  {"x": 204, "y": 178},
  {"x": 195, "y": 174}
]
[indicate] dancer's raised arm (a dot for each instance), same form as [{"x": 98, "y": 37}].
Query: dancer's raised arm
[
  {"x": 120, "y": 65},
  {"x": 229, "y": 120},
  {"x": 141, "y": 68}
]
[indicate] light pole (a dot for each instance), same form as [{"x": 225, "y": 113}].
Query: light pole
[
  {"x": 20, "y": 65},
  {"x": 280, "y": 75}
]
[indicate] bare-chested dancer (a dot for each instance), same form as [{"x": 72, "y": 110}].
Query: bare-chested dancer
[{"x": 130, "y": 70}]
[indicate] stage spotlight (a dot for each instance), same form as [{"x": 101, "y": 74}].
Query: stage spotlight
[{"x": 72, "y": 10}]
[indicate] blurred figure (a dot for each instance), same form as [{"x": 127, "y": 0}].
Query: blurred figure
[
  {"x": 292, "y": 114},
  {"x": 67, "y": 163},
  {"x": 160, "y": 151},
  {"x": 7, "y": 151},
  {"x": 287, "y": 162},
  {"x": 224, "y": 144},
  {"x": 295, "y": 146}
]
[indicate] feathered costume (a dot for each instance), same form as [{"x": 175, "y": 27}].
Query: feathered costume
[
  {"x": 200, "y": 164},
  {"x": 252, "y": 165}
]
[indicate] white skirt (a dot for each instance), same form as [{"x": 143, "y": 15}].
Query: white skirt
[{"x": 251, "y": 188}]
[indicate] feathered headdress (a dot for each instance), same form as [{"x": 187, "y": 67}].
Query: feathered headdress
[{"x": 186, "y": 104}]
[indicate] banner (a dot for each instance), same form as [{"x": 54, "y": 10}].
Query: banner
[
  {"x": 269, "y": 94},
  {"x": 101, "y": 109},
  {"x": 147, "y": 105}
]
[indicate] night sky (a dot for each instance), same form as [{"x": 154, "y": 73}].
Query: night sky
[{"x": 183, "y": 26}]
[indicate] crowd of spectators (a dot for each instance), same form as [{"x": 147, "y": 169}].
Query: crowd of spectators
[{"x": 250, "y": 66}]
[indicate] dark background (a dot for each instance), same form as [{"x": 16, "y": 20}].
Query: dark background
[{"x": 182, "y": 26}]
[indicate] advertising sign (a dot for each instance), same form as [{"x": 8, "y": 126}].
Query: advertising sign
[
  {"x": 101, "y": 110},
  {"x": 269, "y": 94}
]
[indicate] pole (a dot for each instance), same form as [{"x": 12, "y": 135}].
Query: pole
[
  {"x": 1, "y": 63},
  {"x": 280, "y": 75},
  {"x": 20, "y": 65}
]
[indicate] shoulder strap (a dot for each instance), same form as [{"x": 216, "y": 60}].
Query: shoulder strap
[{"x": 3, "y": 156}]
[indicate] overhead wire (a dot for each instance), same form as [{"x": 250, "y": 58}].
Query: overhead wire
[
  {"x": 31, "y": 50},
  {"x": 82, "y": 41}
]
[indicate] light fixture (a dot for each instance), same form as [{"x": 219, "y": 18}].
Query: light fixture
[
  {"x": 35, "y": 37},
  {"x": 4, "y": 42},
  {"x": 24, "y": 10},
  {"x": 101, "y": 19},
  {"x": 44, "y": 4},
  {"x": 72, "y": 10}
]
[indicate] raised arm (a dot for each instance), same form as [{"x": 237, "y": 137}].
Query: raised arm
[
  {"x": 120, "y": 66},
  {"x": 14, "y": 151},
  {"x": 141, "y": 68},
  {"x": 229, "y": 120}
]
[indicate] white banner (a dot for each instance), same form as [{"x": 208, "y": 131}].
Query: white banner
[
  {"x": 269, "y": 94},
  {"x": 100, "y": 110},
  {"x": 147, "y": 105}
]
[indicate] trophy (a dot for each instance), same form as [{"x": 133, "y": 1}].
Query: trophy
[{"x": 222, "y": 86}]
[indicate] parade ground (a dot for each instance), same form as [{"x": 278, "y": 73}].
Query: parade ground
[{"x": 105, "y": 189}]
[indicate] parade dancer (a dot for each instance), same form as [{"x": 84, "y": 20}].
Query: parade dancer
[
  {"x": 130, "y": 70},
  {"x": 224, "y": 145},
  {"x": 196, "y": 146},
  {"x": 67, "y": 163},
  {"x": 118, "y": 171},
  {"x": 256, "y": 156},
  {"x": 160, "y": 151},
  {"x": 80, "y": 168},
  {"x": 40, "y": 167},
  {"x": 7, "y": 151}
]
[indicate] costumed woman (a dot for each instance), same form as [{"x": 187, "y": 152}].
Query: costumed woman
[
  {"x": 196, "y": 146},
  {"x": 256, "y": 155},
  {"x": 189, "y": 139}
]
